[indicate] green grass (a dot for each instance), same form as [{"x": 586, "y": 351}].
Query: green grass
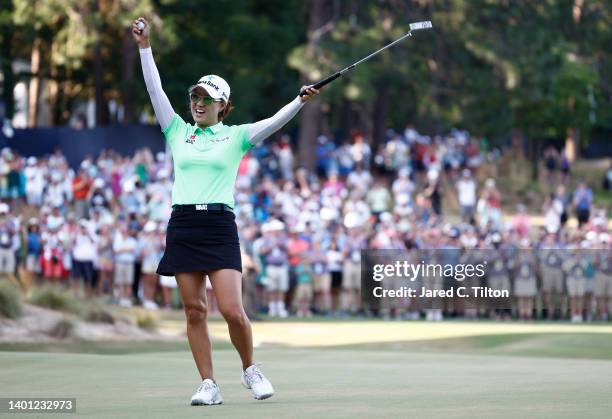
[
  {"x": 549, "y": 345},
  {"x": 104, "y": 347},
  {"x": 329, "y": 383},
  {"x": 489, "y": 370},
  {"x": 603, "y": 198}
]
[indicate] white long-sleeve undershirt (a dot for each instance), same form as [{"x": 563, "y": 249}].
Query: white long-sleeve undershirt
[
  {"x": 258, "y": 131},
  {"x": 161, "y": 104}
]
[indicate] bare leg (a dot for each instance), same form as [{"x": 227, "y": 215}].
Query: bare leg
[
  {"x": 167, "y": 296},
  {"x": 150, "y": 283},
  {"x": 227, "y": 284},
  {"x": 191, "y": 286}
]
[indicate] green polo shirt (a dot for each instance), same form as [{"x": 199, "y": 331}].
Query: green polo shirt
[{"x": 205, "y": 161}]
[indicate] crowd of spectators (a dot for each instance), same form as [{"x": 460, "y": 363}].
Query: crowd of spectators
[{"x": 100, "y": 229}]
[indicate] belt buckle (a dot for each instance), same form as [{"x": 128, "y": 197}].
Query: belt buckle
[{"x": 201, "y": 207}]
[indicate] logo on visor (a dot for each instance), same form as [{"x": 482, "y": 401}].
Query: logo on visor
[{"x": 210, "y": 83}]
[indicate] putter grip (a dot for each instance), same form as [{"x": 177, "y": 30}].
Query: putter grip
[{"x": 323, "y": 82}]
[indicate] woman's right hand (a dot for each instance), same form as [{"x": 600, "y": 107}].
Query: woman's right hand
[{"x": 141, "y": 36}]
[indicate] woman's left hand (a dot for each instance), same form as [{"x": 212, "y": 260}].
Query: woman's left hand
[{"x": 310, "y": 93}]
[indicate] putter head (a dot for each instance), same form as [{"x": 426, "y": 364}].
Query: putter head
[{"x": 417, "y": 26}]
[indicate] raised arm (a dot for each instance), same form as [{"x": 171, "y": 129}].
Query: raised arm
[
  {"x": 261, "y": 130},
  {"x": 161, "y": 104}
]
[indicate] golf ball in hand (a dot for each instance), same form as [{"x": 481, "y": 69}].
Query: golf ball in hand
[{"x": 140, "y": 26}]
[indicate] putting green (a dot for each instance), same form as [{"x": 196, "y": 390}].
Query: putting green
[{"x": 318, "y": 382}]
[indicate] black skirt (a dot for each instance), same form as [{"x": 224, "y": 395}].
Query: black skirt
[{"x": 200, "y": 241}]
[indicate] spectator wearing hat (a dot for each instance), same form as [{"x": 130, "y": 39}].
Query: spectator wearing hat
[
  {"x": 551, "y": 256},
  {"x": 297, "y": 251},
  {"x": 104, "y": 262},
  {"x": 379, "y": 198},
  {"x": 304, "y": 287},
  {"x": 575, "y": 267},
  {"x": 260, "y": 266},
  {"x": 351, "y": 268},
  {"x": 561, "y": 200},
  {"x": 276, "y": 258},
  {"x": 55, "y": 194},
  {"x": 8, "y": 242},
  {"x": 551, "y": 161},
  {"x": 53, "y": 252},
  {"x": 34, "y": 182},
  {"x": 124, "y": 249},
  {"x": 432, "y": 191},
  {"x": 6, "y": 156},
  {"x": 403, "y": 185},
  {"x": 325, "y": 156},
  {"x": 466, "y": 195},
  {"x": 14, "y": 182},
  {"x": 321, "y": 278},
  {"x": 359, "y": 180},
  {"x": 521, "y": 222},
  {"x": 81, "y": 185},
  {"x": 33, "y": 266},
  {"x": 360, "y": 151},
  {"x": 489, "y": 207},
  {"x": 150, "y": 248},
  {"x": 498, "y": 272},
  {"x": 84, "y": 252},
  {"x": 582, "y": 201},
  {"x": 334, "y": 266},
  {"x": 525, "y": 285},
  {"x": 564, "y": 167},
  {"x": 602, "y": 288},
  {"x": 99, "y": 197}
]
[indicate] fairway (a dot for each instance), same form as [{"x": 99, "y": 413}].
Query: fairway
[{"x": 318, "y": 382}]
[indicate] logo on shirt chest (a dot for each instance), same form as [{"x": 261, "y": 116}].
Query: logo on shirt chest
[{"x": 192, "y": 138}]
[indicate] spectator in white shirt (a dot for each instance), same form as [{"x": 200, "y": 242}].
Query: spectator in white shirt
[
  {"x": 84, "y": 253},
  {"x": 466, "y": 193},
  {"x": 124, "y": 247},
  {"x": 359, "y": 180},
  {"x": 34, "y": 182}
]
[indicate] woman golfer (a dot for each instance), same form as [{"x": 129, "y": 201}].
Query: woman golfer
[{"x": 202, "y": 238}]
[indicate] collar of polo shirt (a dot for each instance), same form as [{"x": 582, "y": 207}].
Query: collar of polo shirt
[{"x": 214, "y": 129}]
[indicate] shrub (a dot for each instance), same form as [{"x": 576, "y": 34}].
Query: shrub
[
  {"x": 99, "y": 315},
  {"x": 11, "y": 305},
  {"x": 55, "y": 299},
  {"x": 63, "y": 329},
  {"x": 146, "y": 320}
]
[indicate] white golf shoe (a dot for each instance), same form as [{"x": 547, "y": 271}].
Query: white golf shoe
[
  {"x": 207, "y": 393},
  {"x": 253, "y": 378}
]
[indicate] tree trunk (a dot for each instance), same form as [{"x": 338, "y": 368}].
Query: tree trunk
[
  {"x": 9, "y": 76},
  {"x": 571, "y": 144},
  {"x": 54, "y": 90},
  {"x": 102, "y": 116},
  {"x": 127, "y": 77},
  {"x": 381, "y": 109},
  {"x": 345, "y": 119},
  {"x": 310, "y": 121},
  {"x": 534, "y": 157},
  {"x": 34, "y": 88}
]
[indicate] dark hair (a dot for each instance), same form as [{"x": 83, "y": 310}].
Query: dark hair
[{"x": 225, "y": 111}]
